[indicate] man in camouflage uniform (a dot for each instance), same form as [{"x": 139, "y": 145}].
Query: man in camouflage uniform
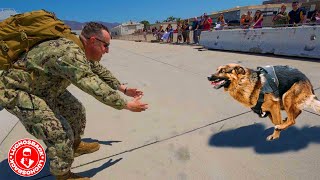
[{"x": 37, "y": 94}]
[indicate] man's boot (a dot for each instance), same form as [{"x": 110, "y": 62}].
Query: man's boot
[
  {"x": 81, "y": 147},
  {"x": 71, "y": 176}
]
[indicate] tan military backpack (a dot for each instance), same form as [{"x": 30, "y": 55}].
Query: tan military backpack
[{"x": 21, "y": 32}]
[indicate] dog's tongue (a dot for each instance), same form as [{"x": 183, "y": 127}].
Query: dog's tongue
[{"x": 216, "y": 83}]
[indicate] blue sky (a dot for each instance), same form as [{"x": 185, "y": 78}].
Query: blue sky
[{"x": 125, "y": 10}]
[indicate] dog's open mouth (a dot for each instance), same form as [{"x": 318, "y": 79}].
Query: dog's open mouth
[{"x": 217, "y": 83}]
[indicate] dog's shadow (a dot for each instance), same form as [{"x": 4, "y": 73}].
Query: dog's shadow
[{"x": 292, "y": 139}]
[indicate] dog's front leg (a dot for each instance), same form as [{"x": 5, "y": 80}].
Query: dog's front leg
[{"x": 275, "y": 116}]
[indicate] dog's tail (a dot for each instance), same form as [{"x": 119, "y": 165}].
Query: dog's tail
[{"x": 314, "y": 103}]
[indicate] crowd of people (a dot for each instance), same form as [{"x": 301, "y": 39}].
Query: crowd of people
[
  {"x": 297, "y": 16},
  {"x": 183, "y": 30}
]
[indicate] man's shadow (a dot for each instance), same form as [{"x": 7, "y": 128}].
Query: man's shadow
[
  {"x": 92, "y": 172},
  {"x": 7, "y": 173},
  {"x": 292, "y": 139}
]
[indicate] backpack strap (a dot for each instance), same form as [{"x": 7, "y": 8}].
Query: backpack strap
[{"x": 8, "y": 52}]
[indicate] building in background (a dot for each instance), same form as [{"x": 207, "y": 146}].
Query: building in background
[
  {"x": 127, "y": 28},
  {"x": 6, "y": 12}
]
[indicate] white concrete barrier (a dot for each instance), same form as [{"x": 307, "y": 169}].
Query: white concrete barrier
[{"x": 301, "y": 41}]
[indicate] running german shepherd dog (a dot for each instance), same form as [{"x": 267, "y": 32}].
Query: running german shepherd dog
[{"x": 294, "y": 92}]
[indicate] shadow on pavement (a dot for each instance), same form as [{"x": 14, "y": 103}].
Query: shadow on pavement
[
  {"x": 109, "y": 143},
  {"x": 7, "y": 173},
  {"x": 292, "y": 139},
  {"x": 92, "y": 172}
]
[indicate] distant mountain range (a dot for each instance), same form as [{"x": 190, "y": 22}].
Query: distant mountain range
[{"x": 78, "y": 25}]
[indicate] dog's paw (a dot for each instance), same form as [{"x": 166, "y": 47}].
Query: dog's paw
[
  {"x": 272, "y": 137},
  {"x": 278, "y": 128}
]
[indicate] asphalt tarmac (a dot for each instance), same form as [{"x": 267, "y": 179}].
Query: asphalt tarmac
[{"x": 190, "y": 131}]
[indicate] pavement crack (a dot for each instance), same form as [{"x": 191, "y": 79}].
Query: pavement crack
[
  {"x": 312, "y": 112},
  {"x": 162, "y": 140},
  {"x": 9, "y": 132}
]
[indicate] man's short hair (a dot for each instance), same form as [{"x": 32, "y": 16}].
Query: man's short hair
[
  {"x": 93, "y": 29},
  {"x": 295, "y": 2}
]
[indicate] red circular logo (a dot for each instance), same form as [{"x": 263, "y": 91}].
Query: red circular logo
[{"x": 26, "y": 157}]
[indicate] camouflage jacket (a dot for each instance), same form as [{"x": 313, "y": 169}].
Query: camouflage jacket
[
  {"x": 104, "y": 74},
  {"x": 51, "y": 67}
]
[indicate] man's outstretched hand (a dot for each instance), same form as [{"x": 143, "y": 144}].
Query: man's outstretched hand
[
  {"x": 135, "y": 105},
  {"x": 133, "y": 92}
]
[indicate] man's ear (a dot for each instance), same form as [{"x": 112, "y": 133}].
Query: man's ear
[
  {"x": 92, "y": 39},
  {"x": 240, "y": 70}
]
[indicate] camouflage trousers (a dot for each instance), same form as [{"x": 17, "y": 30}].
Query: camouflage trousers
[{"x": 58, "y": 122}]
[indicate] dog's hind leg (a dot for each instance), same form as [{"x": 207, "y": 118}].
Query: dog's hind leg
[
  {"x": 307, "y": 98},
  {"x": 293, "y": 112},
  {"x": 292, "y": 101}
]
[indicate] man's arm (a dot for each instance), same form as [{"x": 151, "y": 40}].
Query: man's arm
[
  {"x": 73, "y": 65},
  {"x": 105, "y": 75}
]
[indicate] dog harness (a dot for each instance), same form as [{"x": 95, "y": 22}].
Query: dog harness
[{"x": 270, "y": 86}]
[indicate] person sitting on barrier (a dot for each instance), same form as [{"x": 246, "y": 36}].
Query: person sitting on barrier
[
  {"x": 296, "y": 15},
  {"x": 315, "y": 17},
  {"x": 318, "y": 17},
  {"x": 247, "y": 20},
  {"x": 242, "y": 21},
  {"x": 281, "y": 18},
  {"x": 258, "y": 19},
  {"x": 220, "y": 22}
]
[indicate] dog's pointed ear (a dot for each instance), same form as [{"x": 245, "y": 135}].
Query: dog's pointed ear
[{"x": 240, "y": 70}]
